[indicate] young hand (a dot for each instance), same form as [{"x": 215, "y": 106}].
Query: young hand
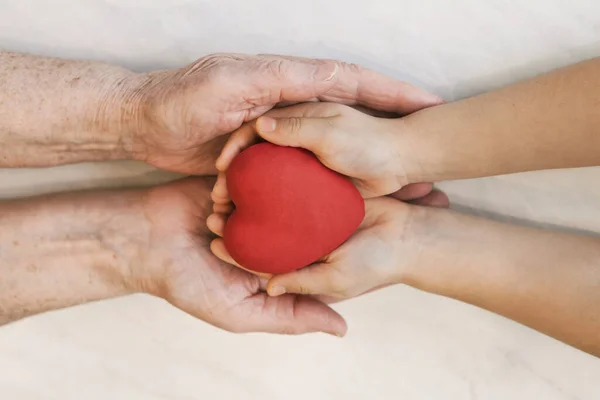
[
  {"x": 375, "y": 256},
  {"x": 348, "y": 141},
  {"x": 178, "y": 266}
]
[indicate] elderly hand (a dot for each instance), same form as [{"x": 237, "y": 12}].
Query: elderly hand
[
  {"x": 177, "y": 265},
  {"x": 183, "y": 115}
]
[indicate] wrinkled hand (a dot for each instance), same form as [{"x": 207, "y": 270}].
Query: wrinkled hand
[
  {"x": 178, "y": 266},
  {"x": 184, "y": 113}
]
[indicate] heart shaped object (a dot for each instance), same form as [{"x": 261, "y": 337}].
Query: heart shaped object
[{"x": 291, "y": 210}]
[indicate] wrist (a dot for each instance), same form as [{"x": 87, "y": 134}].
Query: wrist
[
  {"x": 431, "y": 237},
  {"x": 408, "y": 165},
  {"x": 452, "y": 248},
  {"x": 58, "y": 112},
  {"x": 123, "y": 230},
  {"x": 109, "y": 225},
  {"x": 422, "y": 147},
  {"x": 119, "y": 116},
  {"x": 63, "y": 250},
  {"x": 115, "y": 227}
]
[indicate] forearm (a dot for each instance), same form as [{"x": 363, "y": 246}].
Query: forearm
[
  {"x": 55, "y": 111},
  {"x": 547, "y": 280},
  {"x": 551, "y": 121},
  {"x": 63, "y": 250}
]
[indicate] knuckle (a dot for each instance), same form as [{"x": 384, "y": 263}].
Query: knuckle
[
  {"x": 354, "y": 68},
  {"x": 209, "y": 63},
  {"x": 216, "y": 69},
  {"x": 276, "y": 67},
  {"x": 303, "y": 289},
  {"x": 294, "y": 125}
]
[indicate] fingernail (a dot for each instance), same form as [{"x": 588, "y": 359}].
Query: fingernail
[
  {"x": 336, "y": 334},
  {"x": 276, "y": 291},
  {"x": 266, "y": 124}
]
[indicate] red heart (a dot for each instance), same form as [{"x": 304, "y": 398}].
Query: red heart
[{"x": 290, "y": 209}]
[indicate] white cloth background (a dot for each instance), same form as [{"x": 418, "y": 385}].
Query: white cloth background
[{"x": 402, "y": 344}]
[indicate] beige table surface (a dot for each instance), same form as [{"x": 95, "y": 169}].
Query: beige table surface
[{"x": 402, "y": 344}]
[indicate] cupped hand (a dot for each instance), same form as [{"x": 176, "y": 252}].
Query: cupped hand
[
  {"x": 178, "y": 266},
  {"x": 379, "y": 253},
  {"x": 184, "y": 114},
  {"x": 357, "y": 145},
  {"x": 417, "y": 195}
]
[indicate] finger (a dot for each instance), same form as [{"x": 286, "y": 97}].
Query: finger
[
  {"x": 239, "y": 140},
  {"x": 434, "y": 199},
  {"x": 262, "y": 284},
  {"x": 285, "y": 104},
  {"x": 218, "y": 248},
  {"x": 268, "y": 80},
  {"x": 312, "y": 280},
  {"x": 357, "y": 85},
  {"x": 220, "y": 194},
  {"x": 216, "y": 223},
  {"x": 306, "y": 110},
  {"x": 296, "y": 132},
  {"x": 375, "y": 187},
  {"x": 376, "y": 113},
  {"x": 256, "y": 112},
  {"x": 223, "y": 208},
  {"x": 413, "y": 191},
  {"x": 290, "y": 314},
  {"x": 375, "y": 208},
  {"x": 352, "y": 84}
]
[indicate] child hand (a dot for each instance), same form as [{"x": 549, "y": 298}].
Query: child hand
[
  {"x": 355, "y": 144},
  {"x": 377, "y": 255}
]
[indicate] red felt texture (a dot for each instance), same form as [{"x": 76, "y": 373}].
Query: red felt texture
[{"x": 291, "y": 210}]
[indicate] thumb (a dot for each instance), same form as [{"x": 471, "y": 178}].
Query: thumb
[
  {"x": 315, "y": 279},
  {"x": 302, "y": 132},
  {"x": 289, "y": 314}
]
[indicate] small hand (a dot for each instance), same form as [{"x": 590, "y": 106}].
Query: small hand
[
  {"x": 183, "y": 114},
  {"x": 348, "y": 141},
  {"x": 377, "y": 255},
  {"x": 178, "y": 266},
  {"x": 421, "y": 194}
]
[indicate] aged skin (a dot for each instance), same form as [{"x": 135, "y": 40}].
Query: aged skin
[
  {"x": 55, "y": 111},
  {"x": 60, "y": 250}
]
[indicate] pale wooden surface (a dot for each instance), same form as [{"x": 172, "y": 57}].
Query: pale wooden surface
[{"x": 402, "y": 343}]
